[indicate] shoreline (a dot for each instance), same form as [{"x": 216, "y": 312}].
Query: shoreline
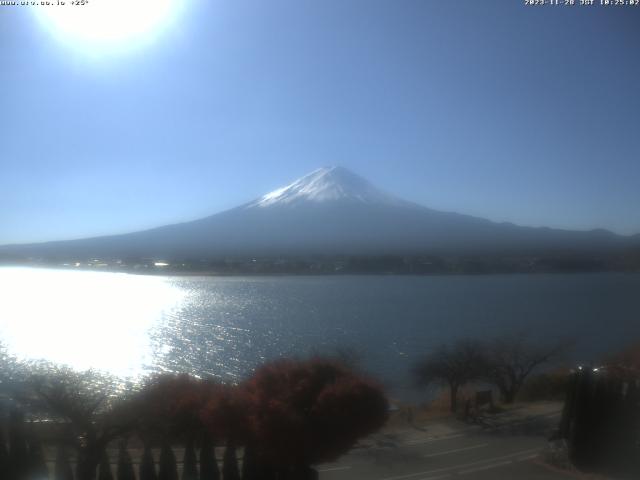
[{"x": 163, "y": 272}]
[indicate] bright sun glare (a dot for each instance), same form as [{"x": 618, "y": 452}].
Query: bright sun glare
[
  {"x": 113, "y": 338},
  {"x": 108, "y": 22}
]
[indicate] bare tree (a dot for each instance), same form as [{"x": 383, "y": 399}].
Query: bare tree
[
  {"x": 511, "y": 359},
  {"x": 12, "y": 372},
  {"x": 452, "y": 365},
  {"x": 88, "y": 404}
]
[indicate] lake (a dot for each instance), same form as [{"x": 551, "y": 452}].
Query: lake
[{"x": 133, "y": 324}]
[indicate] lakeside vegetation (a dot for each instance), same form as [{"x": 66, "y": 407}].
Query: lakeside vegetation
[{"x": 285, "y": 418}]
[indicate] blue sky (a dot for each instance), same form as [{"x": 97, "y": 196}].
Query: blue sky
[{"x": 513, "y": 113}]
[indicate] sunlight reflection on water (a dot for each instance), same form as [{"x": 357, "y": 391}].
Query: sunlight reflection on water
[
  {"x": 226, "y": 326},
  {"x": 82, "y": 319}
]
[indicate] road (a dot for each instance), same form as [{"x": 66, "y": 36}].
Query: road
[{"x": 507, "y": 446}]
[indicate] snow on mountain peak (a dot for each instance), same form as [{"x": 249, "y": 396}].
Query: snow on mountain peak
[{"x": 327, "y": 184}]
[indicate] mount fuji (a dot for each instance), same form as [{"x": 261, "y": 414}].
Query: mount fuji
[{"x": 330, "y": 211}]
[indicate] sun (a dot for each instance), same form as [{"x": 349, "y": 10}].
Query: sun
[{"x": 107, "y": 22}]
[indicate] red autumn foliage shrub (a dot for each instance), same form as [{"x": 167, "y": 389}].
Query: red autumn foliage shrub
[
  {"x": 225, "y": 415},
  {"x": 304, "y": 413},
  {"x": 172, "y": 403},
  {"x": 291, "y": 413}
]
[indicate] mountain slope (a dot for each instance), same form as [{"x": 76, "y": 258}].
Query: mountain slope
[{"x": 330, "y": 211}]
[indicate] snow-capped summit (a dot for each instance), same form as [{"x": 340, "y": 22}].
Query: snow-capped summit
[{"x": 327, "y": 184}]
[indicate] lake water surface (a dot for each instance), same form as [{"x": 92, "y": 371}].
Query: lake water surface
[{"x": 129, "y": 324}]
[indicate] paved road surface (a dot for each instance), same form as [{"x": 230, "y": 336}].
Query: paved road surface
[{"x": 503, "y": 448}]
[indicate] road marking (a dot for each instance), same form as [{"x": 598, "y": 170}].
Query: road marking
[
  {"x": 464, "y": 465},
  {"x": 439, "y": 477},
  {"x": 494, "y": 459},
  {"x": 417, "y": 474},
  {"x": 333, "y": 469},
  {"x": 446, "y": 452},
  {"x": 485, "y": 467},
  {"x": 527, "y": 420},
  {"x": 529, "y": 457},
  {"x": 434, "y": 439}
]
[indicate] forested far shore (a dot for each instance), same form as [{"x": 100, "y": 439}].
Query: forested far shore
[{"x": 345, "y": 265}]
